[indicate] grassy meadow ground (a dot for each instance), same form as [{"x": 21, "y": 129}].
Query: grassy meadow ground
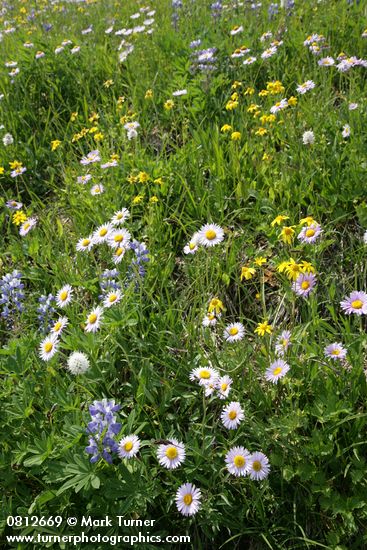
[{"x": 195, "y": 114}]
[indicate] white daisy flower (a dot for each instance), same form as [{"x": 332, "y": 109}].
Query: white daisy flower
[
  {"x": 94, "y": 319},
  {"x": 237, "y": 461},
  {"x": 249, "y": 61},
  {"x": 59, "y": 326},
  {"x": 48, "y": 347},
  {"x": 192, "y": 245},
  {"x": 236, "y": 30},
  {"x": 78, "y": 363},
  {"x": 64, "y": 296},
  {"x": 97, "y": 189},
  {"x": 224, "y": 386},
  {"x": 118, "y": 238},
  {"x": 277, "y": 370},
  {"x": 232, "y": 415},
  {"x": 234, "y": 332},
  {"x": 85, "y": 244},
  {"x": 128, "y": 446},
  {"x": 112, "y": 298},
  {"x": 210, "y": 234},
  {"x": 258, "y": 466},
  {"x": 204, "y": 375},
  {"x": 346, "y": 131},
  {"x": 118, "y": 254},
  {"x": 305, "y": 87},
  {"x": 171, "y": 455},
  {"x": 84, "y": 179},
  {"x": 27, "y": 226},
  {"x": 179, "y": 93},
  {"x": 102, "y": 233},
  {"x": 210, "y": 320},
  {"x": 120, "y": 216},
  {"x": 188, "y": 499}
]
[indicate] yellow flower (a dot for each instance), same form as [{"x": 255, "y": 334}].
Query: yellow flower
[
  {"x": 15, "y": 164},
  {"x": 275, "y": 87},
  {"x": 99, "y": 136},
  {"x": 215, "y": 305},
  {"x": 261, "y": 132},
  {"x": 235, "y": 136},
  {"x": 247, "y": 273},
  {"x": 153, "y": 199},
  {"x": 306, "y": 267},
  {"x": 287, "y": 234},
  {"x": 279, "y": 220},
  {"x": 263, "y": 93},
  {"x": 282, "y": 266},
  {"x": 234, "y": 96},
  {"x": 249, "y": 91},
  {"x": 108, "y": 83},
  {"x": 169, "y": 104},
  {"x": 93, "y": 117},
  {"x": 54, "y": 144},
  {"x": 143, "y": 177},
  {"x": 226, "y": 128},
  {"x": 148, "y": 94},
  {"x": 292, "y": 101},
  {"x": 93, "y": 130},
  {"x": 74, "y": 116},
  {"x": 293, "y": 269},
  {"x": 158, "y": 181},
  {"x": 19, "y": 217},
  {"x": 2, "y": 170},
  {"x": 76, "y": 137},
  {"x": 231, "y": 105},
  {"x": 263, "y": 328},
  {"x": 253, "y": 107},
  {"x": 260, "y": 261},
  {"x": 138, "y": 199},
  {"x": 236, "y": 84},
  {"x": 266, "y": 157},
  {"x": 257, "y": 296},
  {"x": 132, "y": 179},
  {"x": 308, "y": 220}
]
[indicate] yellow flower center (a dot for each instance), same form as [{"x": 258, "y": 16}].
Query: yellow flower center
[
  {"x": 57, "y": 326},
  {"x": 233, "y": 331},
  {"x": 112, "y": 298},
  {"x": 284, "y": 342},
  {"x": 48, "y": 347},
  {"x": 232, "y": 415},
  {"x": 288, "y": 231},
  {"x": 277, "y": 371},
  {"x": 310, "y": 232},
  {"x": 171, "y": 453},
  {"x": 103, "y": 232},
  {"x": 119, "y": 251},
  {"x": 118, "y": 238},
  {"x": 239, "y": 461},
  {"x": 256, "y": 465},
  {"x": 192, "y": 246},
  {"x": 210, "y": 234},
  {"x": 63, "y": 295},
  {"x": 357, "y": 304},
  {"x": 128, "y": 446},
  {"x": 335, "y": 352},
  {"x": 85, "y": 242},
  {"x": 223, "y": 387},
  {"x": 92, "y": 318},
  {"x": 204, "y": 374},
  {"x": 305, "y": 285},
  {"x": 187, "y": 499}
]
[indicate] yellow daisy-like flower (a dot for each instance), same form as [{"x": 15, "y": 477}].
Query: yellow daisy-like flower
[
  {"x": 278, "y": 220},
  {"x": 108, "y": 83},
  {"x": 169, "y": 104},
  {"x": 236, "y": 84},
  {"x": 247, "y": 273},
  {"x": 153, "y": 199},
  {"x": 93, "y": 117},
  {"x": 308, "y": 220},
  {"x": 55, "y": 144},
  {"x": 235, "y": 136},
  {"x": 15, "y": 164},
  {"x": 19, "y": 217},
  {"x": 231, "y": 105},
  {"x": 98, "y": 137},
  {"x": 263, "y": 93},
  {"x": 263, "y": 328},
  {"x": 148, "y": 94},
  {"x": 137, "y": 199},
  {"x": 143, "y": 177},
  {"x": 287, "y": 234},
  {"x": 226, "y": 128},
  {"x": 292, "y": 101},
  {"x": 293, "y": 269},
  {"x": 261, "y": 132},
  {"x": 158, "y": 181},
  {"x": 306, "y": 267},
  {"x": 73, "y": 117},
  {"x": 260, "y": 261},
  {"x": 266, "y": 157},
  {"x": 252, "y": 108},
  {"x": 2, "y": 170},
  {"x": 249, "y": 91},
  {"x": 215, "y": 305}
]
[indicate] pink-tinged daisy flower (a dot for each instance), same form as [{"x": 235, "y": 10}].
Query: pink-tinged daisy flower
[
  {"x": 282, "y": 343},
  {"x": 210, "y": 234},
  {"x": 84, "y": 179},
  {"x": 64, "y": 296},
  {"x": 109, "y": 164},
  {"x": 97, "y": 189},
  {"x": 92, "y": 157},
  {"x": 304, "y": 284},
  {"x": 232, "y": 415},
  {"x": 237, "y": 461},
  {"x": 210, "y": 320},
  {"x": 258, "y": 466},
  {"x": 118, "y": 254},
  {"x": 128, "y": 446},
  {"x": 193, "y": 245},
  {"x": 249, "y": 61},
  {"x": 305, "y": 87},
  {"x": 346, "y": 131},
  {"x": 14, "y": 205},
  {"x": 204, "y": 375},
  {"x": 48, "y": 347},
  {"x": 310, "y": 234},
  {"x": 94, "y": 319},
  {"x": 27, "y": 226},
  {"x": 326, "y": 62},
  {"x": 102, "y": 233},
  {"x": 112, "y": 298},
  {"x": 171, "y": 455},
  {"x": 352, "y": 106},
  {"x": 335, "y": 351},
  {"x": 119, "y": 237},
  {"x": 59, "y": 326},
  {"x": 234, "y": 332},
  {"x": 85, "y": 244},
  {"x": 277, "y": 370},
  {"x": 356, "y": 302},
  {"x": 39, "y": 55},
  {"x": 224, "y": 386},
  {"x": 120, "y": 217},
  {"x": 269, "y": 52},
  {"x": 188, "y": 499},
  {"x": 18, "y": 171}
]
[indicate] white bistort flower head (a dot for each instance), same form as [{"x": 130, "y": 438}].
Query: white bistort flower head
[{"x": 78, "y": 363}]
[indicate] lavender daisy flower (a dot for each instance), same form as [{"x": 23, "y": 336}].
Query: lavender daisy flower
[
  {"x": 356, "y": 302},
  {"x": 14, "y": 205},
  {"x": 304, "y": 284},
  {"x": 310, "y": 234},
  {"x": 335, "y": 351},
  {"x": 277, "y": 370},
  {"x": 92, "y": 157},
  {"x": 282, "y": 343}
]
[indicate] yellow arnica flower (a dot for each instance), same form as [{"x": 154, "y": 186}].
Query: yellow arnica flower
[
  {"x": 73, "y": 117},
  {"x": 253, "y": 107},
  {"x": 226, "y": 128},
  {"x": 2, "y": 170},
  {"x": 292, "y": 101},
  {"x": 231, "y": 105},
  {"x": 249, "y": 91},
  {"x": 278, "y": 220},
  {"x": 263, "y": 93},
  {"x": 153, "y": 199},
  {"x": 235, "y": 136},
  {"x": 143, "y": 177},
  {"x": 236, "y": 84},
  {"x": 158, "y": 181},
  {"x": 287, "y": 234},
  {"x": 308, "y": 220},
  {"x": 260, "y": 261},
  {"x": 215, "y": 305},
  {"x": 148, "y": 94},
  {"x": 261, "y": 132},
  {"x": 293, "y": 269},
  {"x": 98, "y": 137},
  {"x": 138, "y": 199},
  {"x": 169, "y": 104},
  {"x": 15, "y": 164},
  {"x": 263, "y": 328},
  {"x": 108, "y": 83},
  {"x": 19, "y": 217},
  {"x": 54, "y": 144},
  {"x": 266, "y": 157},
  {"x": 247, "y": 273}
]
